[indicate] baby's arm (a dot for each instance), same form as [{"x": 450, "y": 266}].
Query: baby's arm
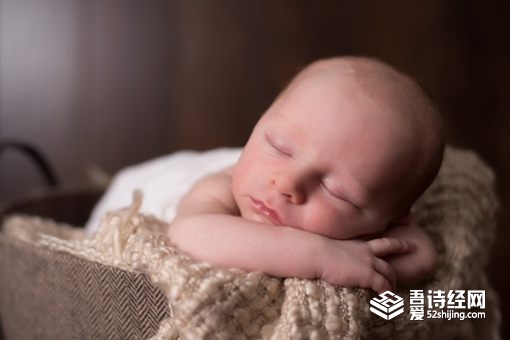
[
  {"x": 207, "y": 228},
  {"x": 418, "y": 264}
]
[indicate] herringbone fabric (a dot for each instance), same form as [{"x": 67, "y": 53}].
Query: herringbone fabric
[{"x": 51, "y": 295}]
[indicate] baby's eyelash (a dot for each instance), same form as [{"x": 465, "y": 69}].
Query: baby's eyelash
[
  {"x": 337, "y": 196},
  {"x": 324, "y": 186}
]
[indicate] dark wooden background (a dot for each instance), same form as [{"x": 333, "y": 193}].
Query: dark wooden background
[{"x": 112, "y": 83}]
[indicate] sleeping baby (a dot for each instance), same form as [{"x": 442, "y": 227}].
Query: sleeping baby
[{"x": 324, "y": 186}]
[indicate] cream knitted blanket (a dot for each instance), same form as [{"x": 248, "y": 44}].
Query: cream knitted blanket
[{"x": 458, "y": 210}]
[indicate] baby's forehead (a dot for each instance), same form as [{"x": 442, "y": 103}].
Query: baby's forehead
[
  {"x": 385, "y": 92},
  {"x": 343, "y": 89}
]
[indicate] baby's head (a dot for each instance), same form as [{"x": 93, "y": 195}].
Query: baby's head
[{"x": 344, "y": 151}]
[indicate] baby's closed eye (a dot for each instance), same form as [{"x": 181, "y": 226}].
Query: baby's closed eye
[
  {"x": 335, "y": 193},
  {"x": 278, "y": 146}
]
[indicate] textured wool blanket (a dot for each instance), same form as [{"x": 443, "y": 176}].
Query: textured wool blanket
[{"x": 458, "y": 211}]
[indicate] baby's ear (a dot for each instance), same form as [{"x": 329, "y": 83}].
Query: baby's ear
[{"x": 404, "y": 219}]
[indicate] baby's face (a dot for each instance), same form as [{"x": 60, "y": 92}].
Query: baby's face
[{"x": 321, "y": 161}]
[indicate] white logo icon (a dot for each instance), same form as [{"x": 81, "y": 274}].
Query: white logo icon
[{"x": 387, "y": 306}]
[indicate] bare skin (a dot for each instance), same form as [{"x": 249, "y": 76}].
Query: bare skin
[{"x": 324, "y": 185}]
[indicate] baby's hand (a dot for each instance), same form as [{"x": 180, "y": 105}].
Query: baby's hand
[
  {"x": 417, "y": 265},
  {"x": 357, "y": 263}
]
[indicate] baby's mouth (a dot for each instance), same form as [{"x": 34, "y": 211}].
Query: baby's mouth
[{"x": 261, "y": 208}]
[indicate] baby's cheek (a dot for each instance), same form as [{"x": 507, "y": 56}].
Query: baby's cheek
[{"x": 323, "y": 221}]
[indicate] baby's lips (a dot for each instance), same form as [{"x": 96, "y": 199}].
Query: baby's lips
[{"x": 267, "y": 211}]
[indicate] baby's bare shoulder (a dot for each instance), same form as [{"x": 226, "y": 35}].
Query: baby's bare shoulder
[
  {"x": 210, "y": 194},
  {"x": 217, "y": 183}
]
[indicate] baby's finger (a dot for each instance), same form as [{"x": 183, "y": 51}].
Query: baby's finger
[
  {"x": 385, "y": 246},
  {"x": 386, "y": 270},
  {"x": 380, "y": 284}
]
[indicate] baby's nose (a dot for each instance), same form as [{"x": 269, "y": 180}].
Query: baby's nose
[{"x": 290, "y": 188}]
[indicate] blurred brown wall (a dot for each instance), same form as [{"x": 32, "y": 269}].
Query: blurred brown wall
[{"x": 113, "y": 83}]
